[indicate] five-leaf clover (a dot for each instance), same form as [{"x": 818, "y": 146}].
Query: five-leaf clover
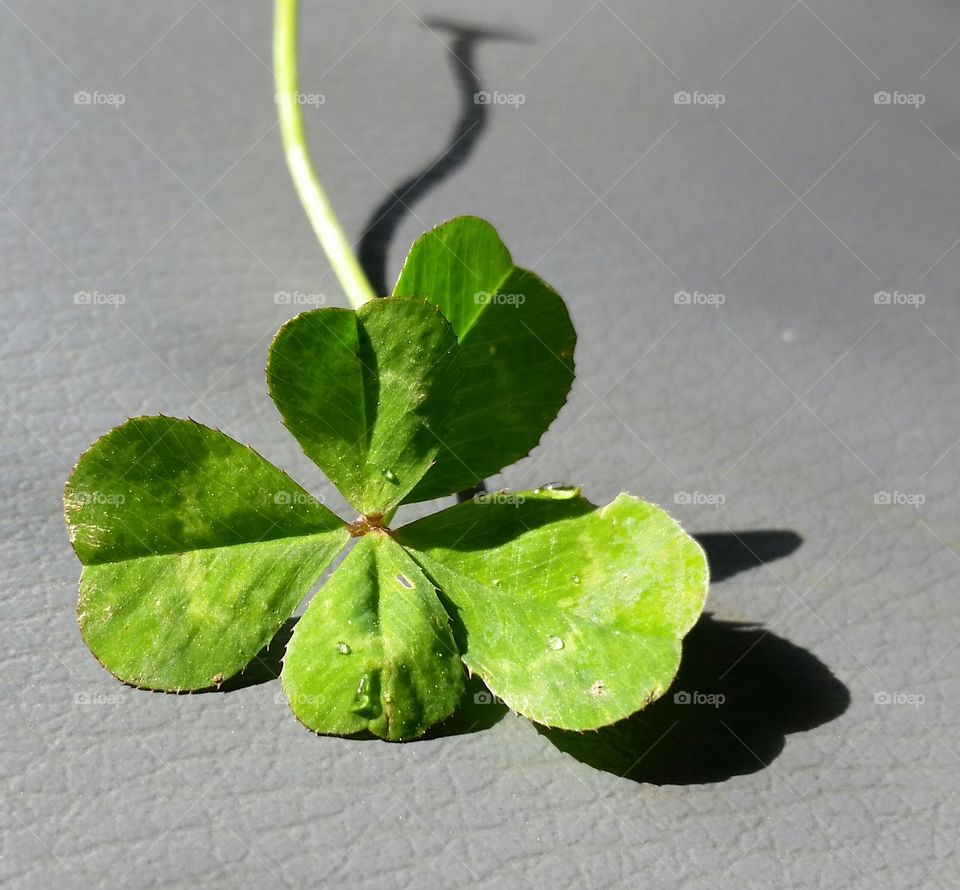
[{"x": 196, "y": 550}]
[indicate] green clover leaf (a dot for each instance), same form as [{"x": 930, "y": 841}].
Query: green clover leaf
[
  {"x": 516, "y": 344},
  {"x": 375, "y": 651},
  {"x": 367, "y": 394},
  {"x": 196, "y": 550},
  {"x": 572, "y": 615}
]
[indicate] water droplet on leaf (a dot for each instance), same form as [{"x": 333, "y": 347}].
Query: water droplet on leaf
[
  {"x": 555, "y": 643},
  {"x": 367, "y": 700},
  {"x": 562, "y": 490},
  {"x": 389, "y": 475},
  {"x": 575, "y": 579},
  {"x": 343, "y": 648}
]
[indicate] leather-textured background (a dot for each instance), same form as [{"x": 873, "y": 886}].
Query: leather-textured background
[{"x": 785, "y": 413}]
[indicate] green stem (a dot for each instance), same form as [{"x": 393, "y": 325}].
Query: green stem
[{"x": 312, "y": 195}]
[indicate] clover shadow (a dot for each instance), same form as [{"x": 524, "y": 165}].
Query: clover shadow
[
  {"x": 731, "y": 552},
  {"x": 266, "y": 664},
  {"x": 387, "y": 216},
  {"x": 478, "y": 710},
  {"x": 739, "y": 692}
]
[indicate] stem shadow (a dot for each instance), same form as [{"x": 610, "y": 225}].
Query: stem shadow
[{"x": 385, "y": 219}]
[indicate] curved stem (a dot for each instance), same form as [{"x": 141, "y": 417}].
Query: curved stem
[{"x": 312, "y": 196}]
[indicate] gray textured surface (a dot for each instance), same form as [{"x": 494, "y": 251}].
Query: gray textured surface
[{"x": 797, "y": 400}]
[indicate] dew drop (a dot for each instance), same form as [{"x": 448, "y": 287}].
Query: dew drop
[
  {"x": 575, "y": 579},
  {"x": 367, "y": 699},
  {"x": 343, "y": 648},
  {"x": 405, "y": 581},
  {"x": 389, "y": 475},
  {"x": 555, "y": 643},
  {"x": 562, "y": 490},
  {"x": 495, "y": 582}
]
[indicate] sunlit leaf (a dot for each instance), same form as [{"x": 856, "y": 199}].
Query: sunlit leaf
[
  {"x": 374, "y": 651},
  {"x": 517, "y": 345},
  {"x": 367, "y": 394},
  {"x": 570, "y": 613},
  {"x": 195, "y": 551}
]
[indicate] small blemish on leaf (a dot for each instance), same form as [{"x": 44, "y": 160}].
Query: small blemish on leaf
[
  {"x": 598, "y": 689},
  {"x": 653, "y": 695},
  {"x": 405, "y": 581}
]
